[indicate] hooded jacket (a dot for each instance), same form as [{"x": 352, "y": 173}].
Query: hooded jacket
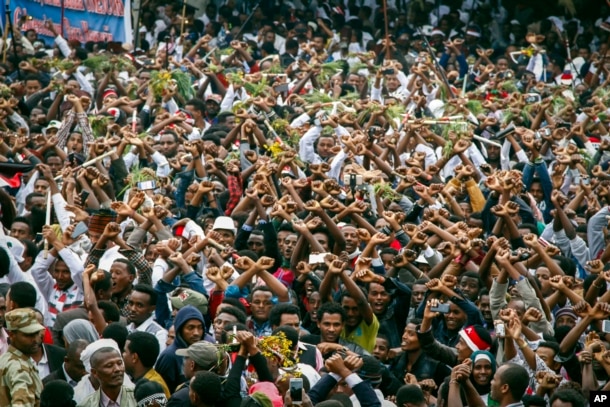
[{"x": 169, "y": 365}]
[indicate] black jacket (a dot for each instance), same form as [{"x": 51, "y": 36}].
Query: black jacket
[{"x": 55, "y": 356}]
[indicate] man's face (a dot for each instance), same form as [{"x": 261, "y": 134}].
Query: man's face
[
  {"x": 290, "y": 242},
  {"x": 379, "y": 298},
  {"x": 110, "y": 371},
  {"x": 37, "y": 203},
  {"x": 470, "y": 287},
  {"x": 29, "y": 344},
  {"x": 410, "y": 341},
  {"x": 584, "y": 53},
  {"x": 62, "y": 275},
  {"x": 192, "y": 331},
  {"x": 121, "y": 278},
  {"x": 32, "y": 86},
  {"x": 548, "y": 356},
  {"x": 543, "y": 274},
  {"x": 565, "y": 320},
  {"x": 128, "y": 359},
  {"x": 381, "y": 349},
  {"x": 168, "y": 145},
  {"x": 256, "y": 244},
  {"x": 171, "y": 335},
  {"x": 354, "y": 80},
  {"x": 139, "y": 307},
  {"x": 292, "y": 320},
  {"x": 196, "y": 113},
  {"x": 318, "y": 44},
  {"x": 212, "y": 108},
  {"x": 261, "y": 305},
  {"x": 31, "y": 36},
  {"x": 75, "y": 366},
  {"x": 55, "y": 163},
  {"x": 21, "y": 231},
  {"x": 330, "y": 326},
  {"x": 485, "y": 307},
  {"x": 496, "y": 384},
  {"x": 220, "y": 322},
  {"x": 417, "y": 294},
  {"x": 41, "y": 186},
  {"x": 314, "y": 304},
  {"x": 536, "y": 191},
  {"x": 493, "y": 152},
  {"x": 391, "y": 82},
  {"x": 354, "y": 316},
  {"x": 230, "y": 122},
  {"x": 350, "y": 234},
  {"x": 226, "y": 237},
  {"x": 325, "y": 144},
  {"x": 455, "y": 318},
  {"x": 281, "y": 235},
  {"x": 38, "y": 116},
  {"x": 75, "y": 143},
  {"x": 323, "y": 240},
  {"x": 463, "y": 351}
]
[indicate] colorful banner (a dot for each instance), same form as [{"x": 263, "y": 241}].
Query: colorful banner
[{"x": 83, "y": 20}]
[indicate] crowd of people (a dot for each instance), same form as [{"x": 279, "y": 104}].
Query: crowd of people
[{"x": 309, "y": 203}]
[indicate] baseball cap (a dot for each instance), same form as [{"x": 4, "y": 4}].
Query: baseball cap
[
  {"x": 225, "y": 223},
  {"x": 16, "y": 247},
  {"x": 53, "y": 124},
  {"x": 23, "y": 320},
  {"x": 214, "y": 98},
  {"x": 205, "y": 354},
  {"x": 190, "y": 297}
]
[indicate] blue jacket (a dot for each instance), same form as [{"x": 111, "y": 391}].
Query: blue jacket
[{"x": 169, "y": 365}]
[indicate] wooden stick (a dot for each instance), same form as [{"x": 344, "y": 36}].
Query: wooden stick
[
  {"x": 5, "y": 39},
  {"x": 183, "y": 18},
  {"x": 48, "y": 223},
  {"x": 88, "y": 163},
  {"x": 484, "y": 140}
]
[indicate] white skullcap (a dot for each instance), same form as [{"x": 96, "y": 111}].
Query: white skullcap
[{"x": 86, "y": 354}]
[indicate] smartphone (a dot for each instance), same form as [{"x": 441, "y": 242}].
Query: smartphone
[
  {"x": 80, "y": 229},
  {"x": 146, "y": 185},
  {"x": 281, "y": 88},
  {"x": 83, "y": 198},
  {"x": 442, "y": 308},
  {"x": 500, "y": 330},
  {"x": 606, "y": 326},
  {"x": 296, "y": 390},
  {"x": 38, "y": 238},
  {"x": 389, "y": 71},
  {"x": 317, "y": 258},
  {"x": 532, "y": 98}
]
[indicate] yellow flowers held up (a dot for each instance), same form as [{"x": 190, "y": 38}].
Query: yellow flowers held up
[{"x": 279, "y": 347}]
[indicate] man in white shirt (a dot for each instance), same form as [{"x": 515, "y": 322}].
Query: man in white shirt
[{"x": 141, "y": 308}]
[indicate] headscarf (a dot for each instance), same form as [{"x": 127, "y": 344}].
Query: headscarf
[
  {"x": 475, "y": 357},
  {"x": 80, "y": 329}
]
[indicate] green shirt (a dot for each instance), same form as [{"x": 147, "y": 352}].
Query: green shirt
[{"x": 363, "y": 335}]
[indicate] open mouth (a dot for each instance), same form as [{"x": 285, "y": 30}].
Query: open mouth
[{"x": 378, "y": 307}]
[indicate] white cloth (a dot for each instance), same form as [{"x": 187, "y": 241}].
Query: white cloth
[{"x": 151, "y": 327}]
